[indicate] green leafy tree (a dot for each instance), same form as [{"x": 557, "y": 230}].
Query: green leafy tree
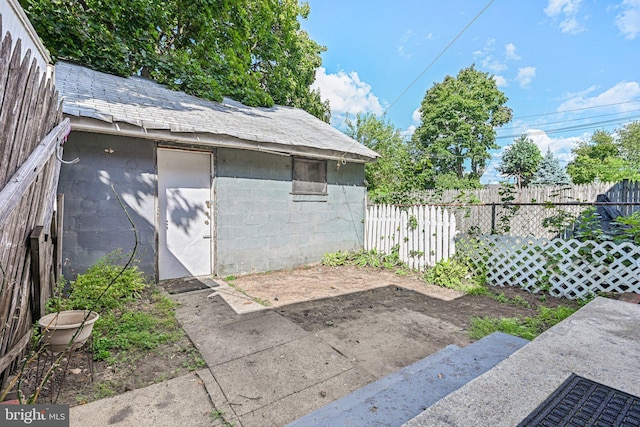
[
  {"x": 520, "y": 160},
  {"x": 450, "y": 181},
  {"x": 398, "y": 171},
  {"x": 459, "y": 116},
  {"x": 629, "y": 142},
  {"x": 550, "y": 172},
  {"x": 600, "y": 157},
  {"x": 252, "y": 51}
]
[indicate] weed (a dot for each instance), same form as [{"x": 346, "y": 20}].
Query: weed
[
  {"x": 364, "y": 258},
  {"x": 453, "y": 274},
  {"x": 528, "y": 327},
  {"x": 243, "y": 292},
  {"x": 218, "y": 415},
  {"x": 516, "y": 300},
  {"x": 195, "y": 362},
  {"x": 104, "y": 389}
]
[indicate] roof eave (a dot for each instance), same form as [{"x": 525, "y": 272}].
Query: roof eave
[{"x": 84, "y": 124}]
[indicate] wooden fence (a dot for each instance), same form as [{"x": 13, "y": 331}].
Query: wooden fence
[
  {"x": 567, "y": 193},
  {"x": 422, "y": 235},
  {"x": 31, "y": 132}
]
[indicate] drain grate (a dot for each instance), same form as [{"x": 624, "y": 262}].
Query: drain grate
[{"x": 583, "y": 402}]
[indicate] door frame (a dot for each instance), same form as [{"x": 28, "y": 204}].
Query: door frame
[{"x": 212, "y": 209}]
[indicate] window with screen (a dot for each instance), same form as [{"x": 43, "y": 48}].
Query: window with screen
[{"x": 309, "y": 176}]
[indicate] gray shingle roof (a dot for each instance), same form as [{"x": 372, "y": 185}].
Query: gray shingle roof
[{"x": 105, "y": 103}]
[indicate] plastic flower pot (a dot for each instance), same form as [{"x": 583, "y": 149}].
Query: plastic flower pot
[{"x": 58, "y": 329}]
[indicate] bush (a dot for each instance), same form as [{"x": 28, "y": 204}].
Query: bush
[
  {"x": 105, "y": 286},
  {"x": 453, "y": 274}
]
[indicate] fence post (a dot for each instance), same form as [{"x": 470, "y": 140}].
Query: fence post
[
  {"x": 37, "y": 255},
  {"x": 493, "y": 218}
]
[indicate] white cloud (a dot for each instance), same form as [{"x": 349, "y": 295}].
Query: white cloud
[
  {"x": 346, "y": 93},
  {"x": 618, "y": 94},
  {"x": 403, "y": 53},
  {"x": 492, "y": 64},
  {"x": 566, "y": 11},
  {"x": 416, "y": 116},
  {"x": 525, "y": 76},
  {"x": 500, "y": 81},
  {"x": 628, "y": 22},
  {"x": 510, "y": 52},
  {"x": 560, "y": 147},
  {"x": 408, "y": 132},
  {"x": 559, "y": 7},
  {"x": 496, "y": 62}
]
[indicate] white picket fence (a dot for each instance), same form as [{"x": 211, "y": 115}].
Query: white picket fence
[{"x": 423, "y": 235}]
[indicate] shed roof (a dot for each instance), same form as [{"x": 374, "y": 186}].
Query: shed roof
[{"x": 103, "y": 103}]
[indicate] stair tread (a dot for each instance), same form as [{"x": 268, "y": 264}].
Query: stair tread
[{"x": 402, "y": 395}]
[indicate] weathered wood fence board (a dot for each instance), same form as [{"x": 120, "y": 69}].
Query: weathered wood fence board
[
  {"x": 31, "y": 130},
  {"x": 422, "y": 235}
]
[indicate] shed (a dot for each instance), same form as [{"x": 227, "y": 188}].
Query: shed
[{"x": 212, "y": 188}]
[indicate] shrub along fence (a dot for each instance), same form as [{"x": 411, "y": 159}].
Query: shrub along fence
[
  {"x": 31, "y": 132},
  {"x": 422, "y": 235}
]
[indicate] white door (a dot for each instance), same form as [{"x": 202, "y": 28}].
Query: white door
[{"x": 185, "y": 214}]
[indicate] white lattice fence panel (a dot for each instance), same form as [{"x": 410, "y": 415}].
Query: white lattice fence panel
[
  {"x": 590, "y": 267},
  {"x": 506, "y": 260},
  {"x": 571, "y": 268}
]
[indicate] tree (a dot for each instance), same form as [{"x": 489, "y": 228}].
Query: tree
[
  {"x": 252, "y": 51},
  {"x": 629, "y": 142},
  {"x": 459, "y": 116},
  {"x": 600, "y": 157},
  {"x": 520, "y": 160},
  {"x": 550, "y": 172},
  {"x": 397, "y": 171}
]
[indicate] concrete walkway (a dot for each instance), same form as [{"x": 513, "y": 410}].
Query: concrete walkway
[{"x": 263, "y": 369}]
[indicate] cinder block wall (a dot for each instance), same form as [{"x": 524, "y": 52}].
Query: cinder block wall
[
  {"x": 94, "y": 222},
  {"x": 261, "y": 226}
]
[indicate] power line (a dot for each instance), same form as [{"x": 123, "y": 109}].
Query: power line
[
  {"x": 438, "y": 57},
  {"x": 573, "y": 120},
  {"x": 576, "y": 127},
  {"x": 576, "y": 109}
]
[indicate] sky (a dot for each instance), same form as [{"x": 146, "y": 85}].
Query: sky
[{"x": 568, "y": 67}]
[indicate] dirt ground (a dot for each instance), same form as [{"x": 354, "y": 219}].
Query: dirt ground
[
  {"x": 314, "y": 297},
  {"x": 317, "y": 296}
]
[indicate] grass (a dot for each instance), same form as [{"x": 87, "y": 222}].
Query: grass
[{"x": 528, "y": 327}]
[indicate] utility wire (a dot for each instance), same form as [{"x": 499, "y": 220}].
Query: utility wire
[
  {"x": 576, "y": 109},
  {"x": 438, "y": 57},
  {"x": 572, "y": 120},
  {"x": 576, "y": 127}
]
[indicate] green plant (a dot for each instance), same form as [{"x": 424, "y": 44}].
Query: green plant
[
  {"x": 364, "y": 258},
  {"x": 528, "y": 327},
  {"x": 453, "y": 274},
  {"x": 106, "y": 285},
  {"x": 629, "y": 227},
  {"x": 216, "y": 415}
]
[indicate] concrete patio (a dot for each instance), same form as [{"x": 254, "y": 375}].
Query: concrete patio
[{"x": 263, "y": 370}]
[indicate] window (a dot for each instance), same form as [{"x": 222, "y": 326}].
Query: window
[{"x": 309, "y": 176}]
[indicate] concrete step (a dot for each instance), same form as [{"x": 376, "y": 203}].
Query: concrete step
[{"x": 402, "y": 395}]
